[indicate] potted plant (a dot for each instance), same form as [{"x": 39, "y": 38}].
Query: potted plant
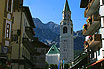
[
  {"x": 90, "y": 38},
  {"x": 85, "y": 42},
  {"x": 85, "y": 26},
  {"x": 89, "y": 20}
]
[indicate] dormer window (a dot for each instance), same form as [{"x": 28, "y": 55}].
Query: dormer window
[
  {"x": 65, "y": 30},
  {"x": 52, "y": 49}
]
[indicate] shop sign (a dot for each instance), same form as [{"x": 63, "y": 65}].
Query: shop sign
[{"x": 4, "y": 49}]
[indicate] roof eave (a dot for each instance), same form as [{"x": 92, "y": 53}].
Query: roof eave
[
  {"x": 83, "y": 3},
  {"x": 29, "y": 16}
]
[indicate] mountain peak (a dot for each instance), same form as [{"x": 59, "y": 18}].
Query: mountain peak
[
  {"x": 49, "y": 33},
  {"x": 37, "y": 20}
]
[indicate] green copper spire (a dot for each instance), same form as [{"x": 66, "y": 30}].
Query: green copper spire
[{"x": 66, "y": 7}]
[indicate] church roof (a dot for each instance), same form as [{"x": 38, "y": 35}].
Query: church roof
[
  {"x": 66, "y": 6},
  {"x": 53, "y": 50}
]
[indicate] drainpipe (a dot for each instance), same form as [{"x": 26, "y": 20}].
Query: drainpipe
[{"x": 101, "y": 12}]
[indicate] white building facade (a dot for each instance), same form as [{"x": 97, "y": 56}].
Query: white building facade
[{"x": 66, "y": 36}]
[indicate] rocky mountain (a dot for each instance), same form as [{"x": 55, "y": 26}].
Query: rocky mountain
[
  {"x": 78, "y": 40},
  {"x": 49, "y": 33}
]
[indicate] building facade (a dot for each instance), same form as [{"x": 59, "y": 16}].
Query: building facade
[
  {"x": 40, "y": 54},
  {"x": 6, "y": 20},
  {"x": 94, "y": 32},
  {"x": 66, "y": 36},
  {"x": 22, "y": 37},
  {"x": 53, "y": 55}
]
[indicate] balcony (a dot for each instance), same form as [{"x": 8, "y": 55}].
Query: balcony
[
  {"x": 86, "y": 45},
  {"x": 28, "y": 45},
  {"x": 81, "y": 60},
  {"x": 92, "y": 25},
  {"x": 93, "y": 41},
  {"x": 29, "y": 31},
  {"x": 96, "y": 39},
  {"x": 92, "y": 7}
]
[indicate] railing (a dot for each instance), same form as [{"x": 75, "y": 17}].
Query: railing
[
  {"x": 91, "y": 7},
  {"x": 92, "y": 25},
  {"x": 86, "y": 45},
  {"x": 79, "y": 59},
  {"x": 28, "y": 45},
  {"x": 29, "y": 31},
  {"x": 93, "y": 41},
  {"x": 93, "y": 60}
]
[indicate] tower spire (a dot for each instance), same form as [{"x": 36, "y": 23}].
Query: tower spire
[{"x": 66, "y": 6}]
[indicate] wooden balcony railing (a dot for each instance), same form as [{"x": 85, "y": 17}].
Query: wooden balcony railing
[
  {"x": 80, "y": 60},
  {"x": 96, "y": 39},
  {"x": 93, "y": 41},
  {"x": 92, "y": 26},
  {"x": 86, "y": 45},
  {"x": 28, "y": 45},
  {"x": 91, "y": 8},
  {"x": 29, "y": 31}
]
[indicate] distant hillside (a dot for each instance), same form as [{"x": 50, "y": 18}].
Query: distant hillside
[{"x": 49, "y": 33}]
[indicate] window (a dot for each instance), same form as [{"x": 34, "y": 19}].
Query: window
[
  {"x": 7, "y": 30},
  {"x": 65, "y": 15},
  {"x": 9, "y": 5},
  {"x": 98, "y": 51},
  {"x": 71, "y": 30},
  {"x": 64, "y": 23},
  {"x": 92, "y": 54},
  {"x": 52, "y": 49},
  {"x": 65, "y": 30},
  {"x": 65, "y": 40},
  {"x": 43, "y": 51},
  {"x": 14, "y": 38},
  {"x": 64, "y": 49}
]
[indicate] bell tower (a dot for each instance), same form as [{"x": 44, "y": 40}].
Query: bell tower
[{"x": 66, "y": 36}]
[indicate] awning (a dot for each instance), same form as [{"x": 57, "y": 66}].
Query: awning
[{"x": 96, "y": 62}]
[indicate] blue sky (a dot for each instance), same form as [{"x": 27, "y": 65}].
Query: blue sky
[{"x": 51, "y": 10}]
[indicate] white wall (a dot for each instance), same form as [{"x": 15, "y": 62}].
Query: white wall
[{"x": 52, "y": 58}]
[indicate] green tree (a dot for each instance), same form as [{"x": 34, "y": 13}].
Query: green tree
[
  {"x": 66, "y": 66},
  {"x": 47, "y": 65},
  {"x": 53, "y": 66}
]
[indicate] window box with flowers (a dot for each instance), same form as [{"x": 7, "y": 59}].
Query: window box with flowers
[
  {"x": 89, "y": 20},
  {"x": 86, "y": 44},
  {"x": 85, "y": 26},
  {"x": 94, "y": 41},
  {"x": 90, "y": 38}
]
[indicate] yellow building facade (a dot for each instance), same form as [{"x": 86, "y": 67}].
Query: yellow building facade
[
  {"x": 16, "y": 35},
  {"x": 6, "y": 20}
]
